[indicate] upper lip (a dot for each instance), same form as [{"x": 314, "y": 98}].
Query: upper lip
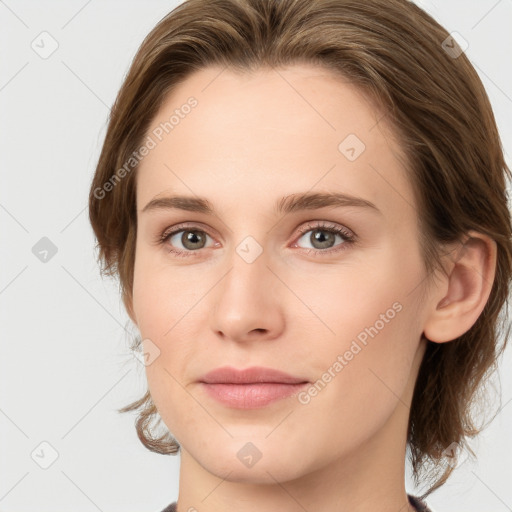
[{"x": 230, "y": 375}]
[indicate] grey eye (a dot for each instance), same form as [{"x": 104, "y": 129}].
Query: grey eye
[
  {"x": 320, "y": 238},
  {"x": 191, "y": 239}
]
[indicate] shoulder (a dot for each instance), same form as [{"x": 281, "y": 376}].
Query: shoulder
[
  {"x": 170, "y": 508},
  {"x": 419, "y": 504}
]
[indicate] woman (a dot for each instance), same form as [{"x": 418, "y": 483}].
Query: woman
[{"x": 305, "y": 203}]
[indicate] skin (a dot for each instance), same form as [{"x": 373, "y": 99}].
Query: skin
[{"x": 252, "y": 139}]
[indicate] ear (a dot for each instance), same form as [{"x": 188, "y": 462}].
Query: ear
[{"x": 460, "y": 298}]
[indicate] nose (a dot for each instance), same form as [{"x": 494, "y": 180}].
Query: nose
[{"x": 248, "y": 302}]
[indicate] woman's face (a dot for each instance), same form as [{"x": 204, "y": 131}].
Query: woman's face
[{"x": 265, "y": 280}]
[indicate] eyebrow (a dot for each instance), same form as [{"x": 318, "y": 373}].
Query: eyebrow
[{"x": 288, "y": 204}]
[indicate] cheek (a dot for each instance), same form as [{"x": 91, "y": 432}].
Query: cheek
[
  {"x": 169, "y": 315},
  {"x": 161, "y": 294},
  {"x": 376, "y": 296},
  {"x": 374, "y": 328},
  {"x": 363, "y": 372}
]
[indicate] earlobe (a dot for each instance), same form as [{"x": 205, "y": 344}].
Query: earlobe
[{"x": 460, "y": 299}]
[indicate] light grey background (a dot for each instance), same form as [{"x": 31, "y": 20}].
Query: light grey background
[{"x": 65, "y": 366}]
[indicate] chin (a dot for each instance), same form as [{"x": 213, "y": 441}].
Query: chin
[
  {"x": 259, "y": 474},
  {"x": 268, "y": 464}
]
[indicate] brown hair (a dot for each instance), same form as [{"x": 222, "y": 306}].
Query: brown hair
[{"x": 399, "y": 56}]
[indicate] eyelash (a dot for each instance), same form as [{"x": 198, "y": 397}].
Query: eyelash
[{"x": 348, "y": 237}]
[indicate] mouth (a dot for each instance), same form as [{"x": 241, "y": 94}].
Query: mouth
[
  {"x": 251, "y": 396},
  {"x": 251, "y": 388}
]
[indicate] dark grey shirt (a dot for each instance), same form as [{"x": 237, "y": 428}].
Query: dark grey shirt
[{"x": 418, "y": 504}]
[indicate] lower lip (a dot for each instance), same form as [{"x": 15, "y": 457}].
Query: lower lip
[{"x": 251, "y": 396}]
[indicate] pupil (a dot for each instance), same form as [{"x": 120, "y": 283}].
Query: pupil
[
  {"x": 191, "y": 237},
  {"x": 318, "y": 235}
]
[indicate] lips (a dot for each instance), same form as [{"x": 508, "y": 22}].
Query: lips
[
  {"x": 251, "y": 388},
  {"x": 255, "y": 374}
]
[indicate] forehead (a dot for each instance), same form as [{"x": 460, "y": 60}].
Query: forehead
[{"x": 289, "y": 129}]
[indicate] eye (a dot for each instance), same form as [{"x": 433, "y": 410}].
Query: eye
[
  {"x": 184, "y": 241},
  {"x": 322, "y": 237}
]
